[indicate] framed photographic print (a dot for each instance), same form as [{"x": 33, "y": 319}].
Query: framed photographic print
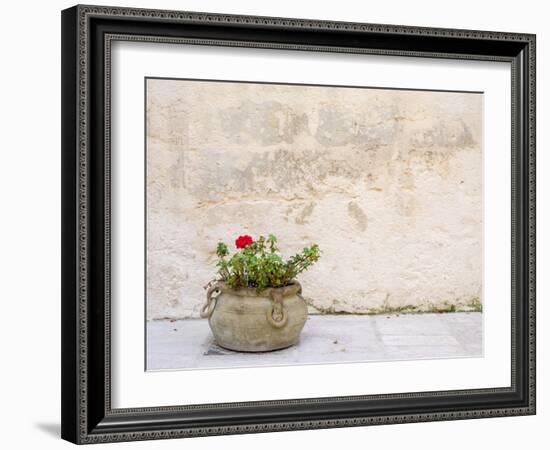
[{"x": 281, "y": 224}]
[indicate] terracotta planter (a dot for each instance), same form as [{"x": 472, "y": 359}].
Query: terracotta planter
[{"x": 250, "y": 321}]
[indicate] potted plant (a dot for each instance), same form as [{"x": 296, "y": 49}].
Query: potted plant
[{"x": 255, "y": 304}]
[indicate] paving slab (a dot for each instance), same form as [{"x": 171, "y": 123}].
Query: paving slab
[{"x": 189, "y": 344}]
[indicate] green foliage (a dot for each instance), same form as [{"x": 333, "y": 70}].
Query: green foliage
[{"x": 260, "y": 265}]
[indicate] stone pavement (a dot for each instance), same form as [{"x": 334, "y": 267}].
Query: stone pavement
[{"x": 188, "y": 344}]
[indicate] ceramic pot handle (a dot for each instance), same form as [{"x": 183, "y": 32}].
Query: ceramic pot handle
[
  {"x": 212, "y": 294},
  {"x": 277, "y": 315}
]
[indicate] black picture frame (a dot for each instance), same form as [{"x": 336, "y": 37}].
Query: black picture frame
[{"x": 87, "y": 415}]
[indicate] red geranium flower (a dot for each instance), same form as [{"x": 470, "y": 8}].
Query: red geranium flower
[{"x": 243, "y": 241}]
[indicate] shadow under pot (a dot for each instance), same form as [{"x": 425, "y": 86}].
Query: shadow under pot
[{"x": 249, "y": 320}]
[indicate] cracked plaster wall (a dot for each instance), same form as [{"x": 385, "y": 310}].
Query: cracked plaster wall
[{"x": 387, "y": 182}]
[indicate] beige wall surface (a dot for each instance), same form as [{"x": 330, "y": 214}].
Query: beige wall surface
[{"x": 387, "y": 182}]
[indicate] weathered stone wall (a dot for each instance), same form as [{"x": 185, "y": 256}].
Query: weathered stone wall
[{"x": 387, "y": 182}]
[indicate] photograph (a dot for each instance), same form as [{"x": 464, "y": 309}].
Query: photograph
[{"x": 291, "y": 224}]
